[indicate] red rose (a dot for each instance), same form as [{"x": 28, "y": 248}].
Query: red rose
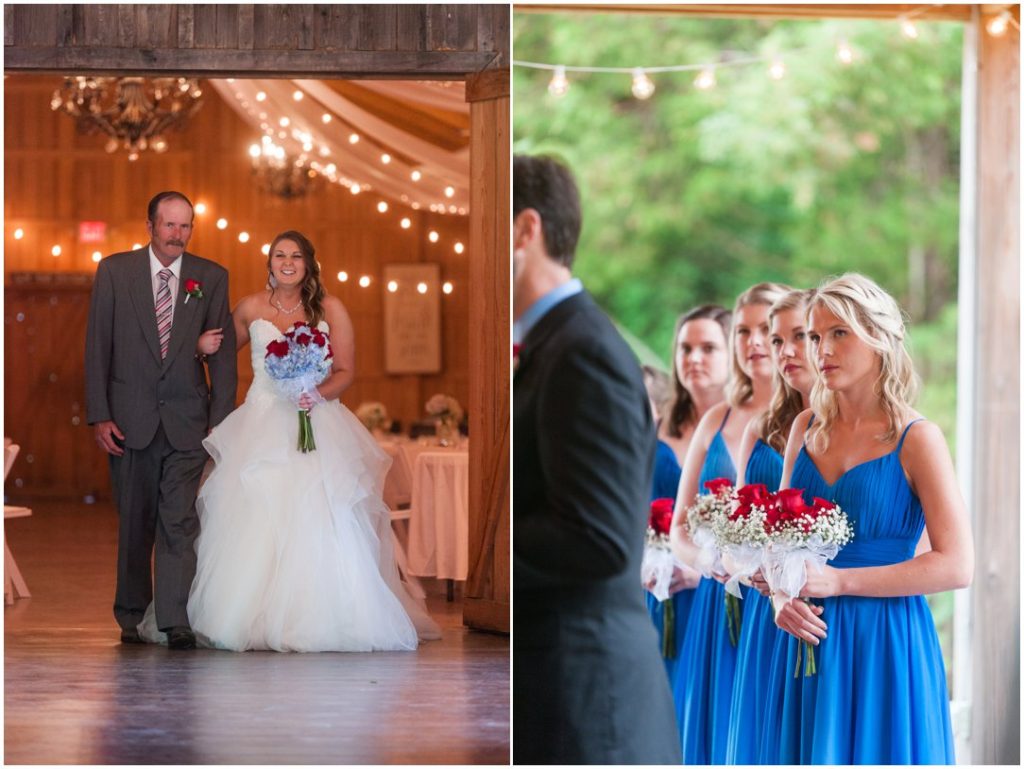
[
  {"x": 330, "y": 352},
  {"x": 192, "y": 285},
  {"x": 319, "y": 339},
  {"x": 791, "y": 503},
  {"x": 823, "y": 504},
  {"x": 718, "y": 485},
  {"x": 303, "y": 338},
  {"x": 660, "y": 518},
  {"x": 278, "y": 347},
  {"x": 754, "y": 494}
]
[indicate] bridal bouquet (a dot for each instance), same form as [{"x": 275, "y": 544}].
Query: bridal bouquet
[
  {"x": 657, "y": 566},
  {"x": 373, "y": 415},
  {"x": 298, "y": 362},
  {"x": 801, "y": 535}
]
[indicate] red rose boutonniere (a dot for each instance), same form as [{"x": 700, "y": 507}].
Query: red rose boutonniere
[{"x": 193, "y": 288}]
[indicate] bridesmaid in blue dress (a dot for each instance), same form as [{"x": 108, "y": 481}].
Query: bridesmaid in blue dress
[
  {"x": 879, "y": 695},
  {"x": 764, "y": 442},
  {"x": 699, "y": 373},
  {"x": 703, "y": 690}
]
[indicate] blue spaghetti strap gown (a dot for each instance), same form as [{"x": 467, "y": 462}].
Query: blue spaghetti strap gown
[
  {"x": 666, "y": 482},
  {"x": 879, "y": 696},
  {"x": 703, "y": 688},
  {"x": 757, "y": 639}
]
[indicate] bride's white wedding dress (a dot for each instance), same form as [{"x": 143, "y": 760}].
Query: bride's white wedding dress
[{"x": 295, "y": 550}]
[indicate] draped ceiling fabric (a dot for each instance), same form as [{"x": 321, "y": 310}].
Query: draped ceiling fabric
[{"x": 423, "y": 126}]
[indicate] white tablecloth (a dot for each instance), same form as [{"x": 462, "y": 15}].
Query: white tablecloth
[{"x": 439, "y": 521}]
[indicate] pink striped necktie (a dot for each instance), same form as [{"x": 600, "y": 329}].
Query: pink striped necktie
[{"x": 163, "y": 311}]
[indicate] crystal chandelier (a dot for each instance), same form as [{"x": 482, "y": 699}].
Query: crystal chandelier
[
  {"x": 134, "y": 112},
  {"x": 279, "y": 173}
]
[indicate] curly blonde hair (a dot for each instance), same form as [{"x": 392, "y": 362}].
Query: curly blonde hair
[
  {"x": 773, "y": 426},
  {"x": 740, "y": 387},
  {"x": 876, "y": 318}
]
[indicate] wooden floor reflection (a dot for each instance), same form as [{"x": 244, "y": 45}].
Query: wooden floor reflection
[{"x": 74, "y": 694}]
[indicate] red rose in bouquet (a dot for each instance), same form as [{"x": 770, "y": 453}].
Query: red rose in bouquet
[
  {"x": 717, "y": 485},
  {"x": 660, "y": 517}
]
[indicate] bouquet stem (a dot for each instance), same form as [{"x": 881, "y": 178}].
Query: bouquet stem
[
  {"x": 668, "y": 634},
  {"x": 810, "y": 668},
  {"x": 733, "y": 617},
  {"x": 306, "y": 442}
]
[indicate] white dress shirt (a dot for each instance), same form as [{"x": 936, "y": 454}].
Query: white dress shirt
[{"x": 154, "y": 269}]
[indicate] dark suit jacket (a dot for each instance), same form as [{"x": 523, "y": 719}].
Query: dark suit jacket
[
  {"x": 589, "y": 685},
  {"x": 125, "y": 379}
]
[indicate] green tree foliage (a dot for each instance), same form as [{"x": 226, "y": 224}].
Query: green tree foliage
[{"x": 693, "y": 195}]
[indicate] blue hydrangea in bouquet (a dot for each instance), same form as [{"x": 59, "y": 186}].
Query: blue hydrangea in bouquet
[{"x": 298, "y": 361}]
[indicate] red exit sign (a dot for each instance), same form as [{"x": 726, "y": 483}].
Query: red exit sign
[{"x": 92, "y": 232}]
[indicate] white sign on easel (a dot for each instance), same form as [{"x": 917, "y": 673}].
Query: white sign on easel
[{"x": 412, "y": 318}]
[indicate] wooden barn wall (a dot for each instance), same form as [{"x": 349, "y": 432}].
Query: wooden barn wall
[
  {"x": 361, "y": 40},
  {"x": 55, "y": 178}
]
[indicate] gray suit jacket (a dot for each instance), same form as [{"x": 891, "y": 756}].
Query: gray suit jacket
[{"x": 125, "y": 379}]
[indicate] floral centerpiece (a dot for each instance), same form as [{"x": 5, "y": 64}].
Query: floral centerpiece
[
  {"x": 657, "y": 566},
  {"x": 800, "y": 536},
  {"x": 298, "y": 361},
  {"x": 446, "y": 413},
  {"x": 373, "y": 415}
]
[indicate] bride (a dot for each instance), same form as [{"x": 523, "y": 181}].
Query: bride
[{"x": 295, "y": 549}]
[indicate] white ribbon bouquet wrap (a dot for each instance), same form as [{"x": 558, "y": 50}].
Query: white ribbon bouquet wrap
[
  {"x": 801, "y": 537},
  {"x": 657, "y": 566},
  {"x": 741, "y": 535},
  {"x": 700, "y": 522}
]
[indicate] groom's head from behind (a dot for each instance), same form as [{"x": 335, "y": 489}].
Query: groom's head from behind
[
  {"x": 169, "y": 224},
  {"x": 546, "y": 227}
]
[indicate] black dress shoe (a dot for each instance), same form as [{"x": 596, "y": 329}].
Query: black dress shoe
[
  {"x": 180, "y": 638},
  {"x": 130, "y": 635}
]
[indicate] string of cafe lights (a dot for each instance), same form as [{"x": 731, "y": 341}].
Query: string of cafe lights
[
  {"x": 643, "y": 87},
  {"x": 316, "y": 152},
  {"x": 364, "y": 280}
]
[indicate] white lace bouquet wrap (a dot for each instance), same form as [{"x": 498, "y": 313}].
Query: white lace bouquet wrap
[
  {"x": 298, "y": 361},
  {"x": 700, "y": 523}
]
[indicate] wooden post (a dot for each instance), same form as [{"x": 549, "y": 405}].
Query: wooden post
[
  {"x": 995, "y": 498},
  {"x": 487, "y": 604}
]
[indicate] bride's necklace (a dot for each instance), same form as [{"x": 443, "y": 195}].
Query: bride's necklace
[{"x": 279, "y": 306}]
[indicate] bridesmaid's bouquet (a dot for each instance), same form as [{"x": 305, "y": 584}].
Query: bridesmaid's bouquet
[
  {"x": 700, "y": 523},
  {"x": 741, "y": 534},
  {"x": 657, "y": 567},
  {"x": 298, "y": 362},
  {"x": 706, "y": 520},
  {"x": 799, "y": 536}
]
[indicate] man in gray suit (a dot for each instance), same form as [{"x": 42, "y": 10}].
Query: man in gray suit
[{"x": 148, "y": 399}]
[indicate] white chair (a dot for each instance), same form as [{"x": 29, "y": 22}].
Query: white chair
[{"x": 14, "y": 583}]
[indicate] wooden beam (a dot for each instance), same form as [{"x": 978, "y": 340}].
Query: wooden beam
[
  {"x": 489, "y": 84},
  {"x": 419, "y": 65},
  {"x": 819, "y": 11},
  {"x": 995, "y": 700}
]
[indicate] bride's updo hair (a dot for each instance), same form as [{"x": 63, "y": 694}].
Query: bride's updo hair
[
  {"x": 312, "y": 289},
  {"x": 878, "y": 321}
]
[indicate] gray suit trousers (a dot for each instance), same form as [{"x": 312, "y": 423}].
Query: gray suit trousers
[{"x": 155, "y": 489}]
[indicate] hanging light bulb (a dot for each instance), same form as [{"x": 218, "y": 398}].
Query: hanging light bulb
[
  {"x": 643, "y": 88},
  {"x": 998, "y": 25},
  {"x": 558, "y": 85},
  {"x": 844, "y": 52},
  {"x": 777, "y": 70},
  {"x": 706, "y": 79},
  {"x": 909, "y": 29}
]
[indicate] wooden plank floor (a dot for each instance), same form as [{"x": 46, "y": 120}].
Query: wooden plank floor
[{"x": 73, "y": 694}]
